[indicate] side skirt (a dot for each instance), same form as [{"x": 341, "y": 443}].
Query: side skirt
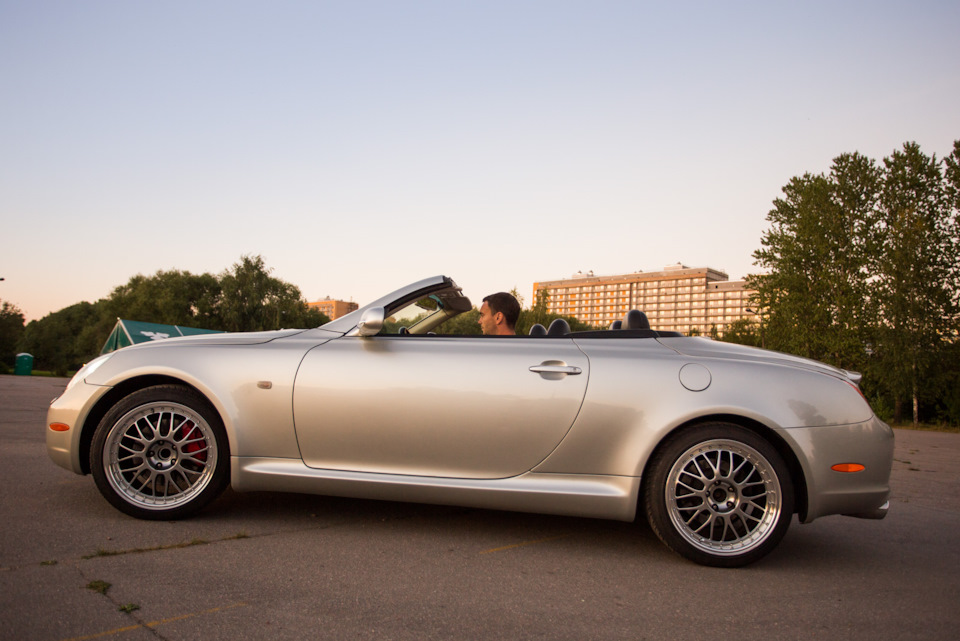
[{"x": 604, "y": 497}]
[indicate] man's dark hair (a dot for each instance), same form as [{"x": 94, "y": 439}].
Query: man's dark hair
[{"x": 507, "y": 305}]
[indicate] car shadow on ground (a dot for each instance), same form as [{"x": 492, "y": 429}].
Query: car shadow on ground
[{"x": 822, "y": 544}]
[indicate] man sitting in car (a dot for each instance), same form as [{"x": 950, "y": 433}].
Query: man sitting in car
[{"x": 499, "y": 314}]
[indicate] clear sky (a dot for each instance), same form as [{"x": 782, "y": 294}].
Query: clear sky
[{"x": 360, "y": 145}]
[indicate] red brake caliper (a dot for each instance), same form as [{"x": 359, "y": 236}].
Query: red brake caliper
[{"x": 187, "y": 431}]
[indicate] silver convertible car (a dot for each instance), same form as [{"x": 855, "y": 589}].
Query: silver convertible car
[{"x": 717, "y": 444}]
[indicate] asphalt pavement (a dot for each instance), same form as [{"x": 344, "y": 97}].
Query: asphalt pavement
[{"x": 283, "y": 566}]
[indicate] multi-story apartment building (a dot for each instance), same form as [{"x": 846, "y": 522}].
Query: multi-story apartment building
[
  {"x": 334, "y": 309},
  {"x": 679, "y": 298}
]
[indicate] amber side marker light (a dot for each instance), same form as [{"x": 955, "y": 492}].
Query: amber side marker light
[
  {"x": 59, "y": 427},
  {"x": 847, "y": 467}
]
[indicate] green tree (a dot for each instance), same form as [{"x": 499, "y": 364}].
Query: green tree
[
  {"x": 945, "y": 383},
  {"x": 60, "y": 342},
  {"x": 863, "y": 271},
  {"x": 465, "y": 324},
  {"x": 537, "y": 314},
  {"x": 515, "y": 292},
  {"x": 952, "y": 177},
  {"x": 813, "y": 297},
  {"x": 64, "y": 340},
  {"x": 168, "y": 297},
  {"x": 252, "y": 300},
  {"x": 11, "y": 331},
  {"x": 917, "y": 271},
  {"x": 742, "y": 332},
  {"x": 948, "y": 370}
]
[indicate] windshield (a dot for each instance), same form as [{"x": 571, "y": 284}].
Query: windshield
[{"x": 416, "y": 317}]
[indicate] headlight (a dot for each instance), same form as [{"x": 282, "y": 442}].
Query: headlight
[{"x": 88, "y": 369}]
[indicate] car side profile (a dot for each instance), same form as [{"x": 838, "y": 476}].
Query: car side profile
[{"x": 718, "y": 445}]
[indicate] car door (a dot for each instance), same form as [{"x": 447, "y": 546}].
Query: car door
[{"x": 457, "y": 407}]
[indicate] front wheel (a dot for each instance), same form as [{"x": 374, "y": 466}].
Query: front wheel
[
  {"x": 161, "y": 453},
  {"x": 719, "y": 495}
]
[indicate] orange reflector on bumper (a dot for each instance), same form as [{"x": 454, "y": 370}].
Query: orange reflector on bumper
[
  {"x": 848, "y": 467},
  {"x": 59, "y": 427}
]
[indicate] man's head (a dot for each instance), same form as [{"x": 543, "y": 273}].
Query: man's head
[{"x": 499, "y": 314}]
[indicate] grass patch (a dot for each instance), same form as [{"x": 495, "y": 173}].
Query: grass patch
[
  {"x": 158, "y": 548},
  {"x": 172, "y": 546},
  {"x": 100, "y": 587},
  {"x": 128, "y": 607},
  {"x": 49, "y": 374},
  {"x": 928, "y": 427}
]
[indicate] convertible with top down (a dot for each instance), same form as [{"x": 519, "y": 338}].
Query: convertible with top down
[{"x": 718, "y": 445}]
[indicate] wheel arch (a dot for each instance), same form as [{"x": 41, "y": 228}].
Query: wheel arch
[
  {"x": 763, "y": 431},
  {"x": 118, "y": 392}
]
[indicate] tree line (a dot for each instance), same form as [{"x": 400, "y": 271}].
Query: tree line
[
  {"x": 244, "y": 298},
  {"x": 860, "y": 269}
]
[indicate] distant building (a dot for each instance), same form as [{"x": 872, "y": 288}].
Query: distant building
[
  {"x": 333, "y": 309},
  {"x": 679, "y": 298}
]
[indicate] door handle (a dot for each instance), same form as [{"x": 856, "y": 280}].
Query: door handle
[{"x": 556, "y": 369}]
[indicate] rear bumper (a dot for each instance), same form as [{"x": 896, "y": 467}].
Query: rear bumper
[
  {"x": 877, "y": 513},
  {"x": 863, "y": 494}
]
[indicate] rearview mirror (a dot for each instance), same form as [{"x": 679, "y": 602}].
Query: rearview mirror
[{"x": 371, "y": 322}]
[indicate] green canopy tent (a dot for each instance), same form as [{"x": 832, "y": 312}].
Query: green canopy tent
[{"x": 127, "y": 332}]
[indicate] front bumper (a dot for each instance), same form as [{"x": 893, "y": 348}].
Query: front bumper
[{"x": 71, "y": 409}]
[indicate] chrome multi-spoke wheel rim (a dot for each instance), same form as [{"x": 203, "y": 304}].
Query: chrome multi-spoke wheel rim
[
  {"x": 723, "y": 497},
  {"x": 160, "y": 456}
]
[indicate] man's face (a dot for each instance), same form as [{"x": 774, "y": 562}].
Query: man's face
[{"x": 488, "y": 320}]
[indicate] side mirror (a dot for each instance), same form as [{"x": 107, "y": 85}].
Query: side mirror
[{"x": 371, "y": 322}]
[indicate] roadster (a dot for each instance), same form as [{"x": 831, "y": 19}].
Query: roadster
[{"x": 718, "y": 445}]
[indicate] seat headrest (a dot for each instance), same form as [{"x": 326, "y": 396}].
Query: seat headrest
[
  {"x": 558, "y": 327},
  {"x": 538, "y": 330},
  {"x": 635, "y": 319}
]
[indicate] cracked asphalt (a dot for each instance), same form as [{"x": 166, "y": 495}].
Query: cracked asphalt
[{"x": 280, "y": 566}]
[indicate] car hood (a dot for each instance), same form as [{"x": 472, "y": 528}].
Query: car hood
[
  {"x": 698, "y": 347},
  {"x": 233, "y": 338}
]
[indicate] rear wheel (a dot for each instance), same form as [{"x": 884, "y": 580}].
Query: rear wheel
[
  {"x": 719, "y": 495},
  {"x": 161, "y": 453}
]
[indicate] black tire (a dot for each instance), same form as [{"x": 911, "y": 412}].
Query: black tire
[
  {"x": 161, "y": 453},
  {"x": 718, "y": 494}
]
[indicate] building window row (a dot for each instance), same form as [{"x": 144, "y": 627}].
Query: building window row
[{"x": 675, "y": 303}]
